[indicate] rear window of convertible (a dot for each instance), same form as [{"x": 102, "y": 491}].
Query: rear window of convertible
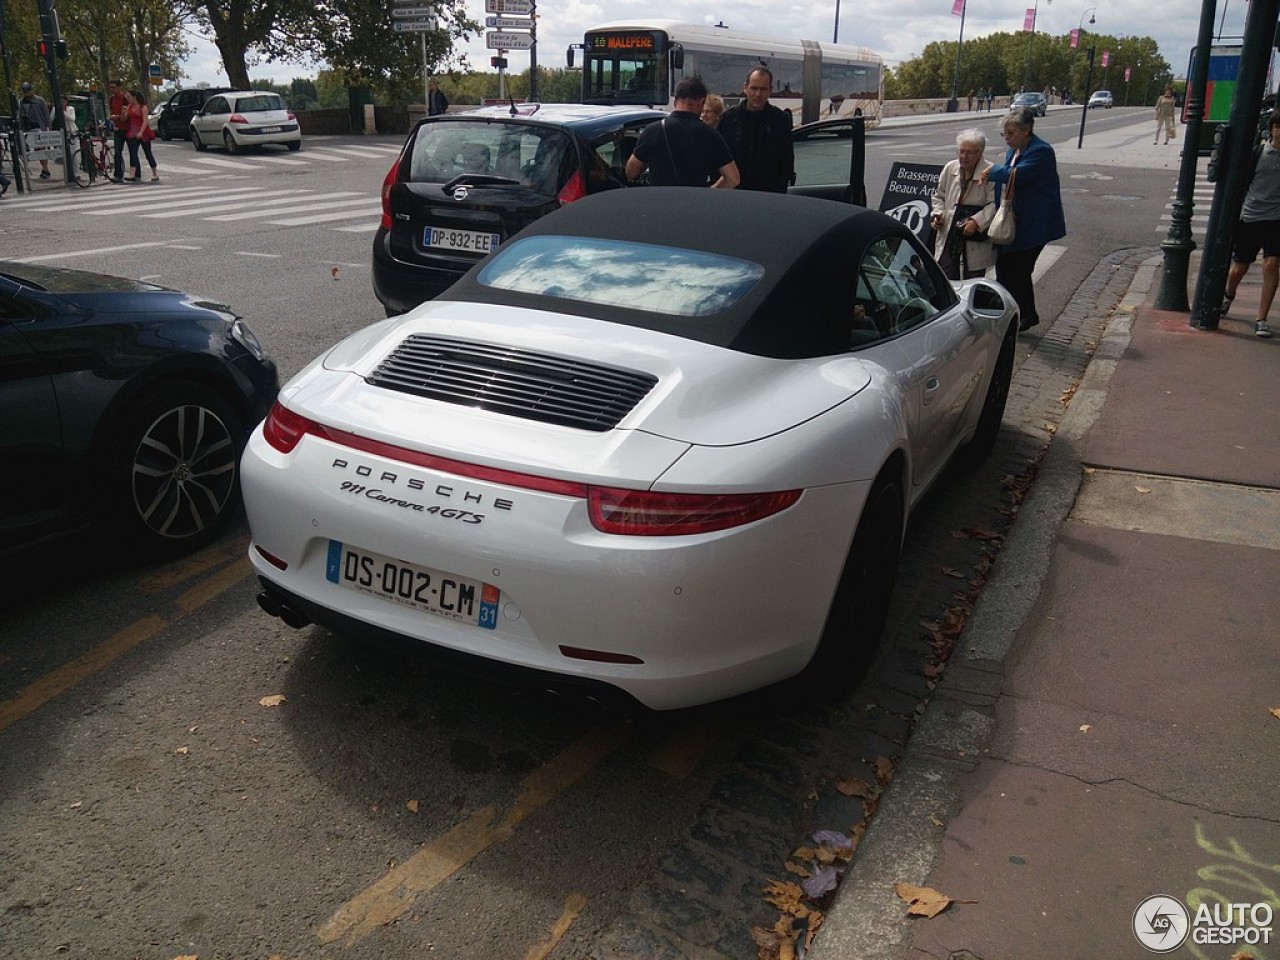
[{"x": 618, "y": 273}]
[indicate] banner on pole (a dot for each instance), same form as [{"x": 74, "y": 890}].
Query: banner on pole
[
  {"x": 1106, "y": 55},
  {"x": 1029, "y": 21},
  {"x": 957, "y": 8},
  {"x": 1075, "y": 39}
]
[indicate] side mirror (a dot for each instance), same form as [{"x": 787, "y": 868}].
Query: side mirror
[
  {"x": 677, "y": 57},
  {"x": 985, "y": 300}
]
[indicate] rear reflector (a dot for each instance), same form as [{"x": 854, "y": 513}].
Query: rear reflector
[
  {"x": 271, "y": 558},
  {"x": 600, "y": 656}
]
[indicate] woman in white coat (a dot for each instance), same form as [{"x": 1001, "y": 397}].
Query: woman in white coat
[{"x": 963, "y": 207}]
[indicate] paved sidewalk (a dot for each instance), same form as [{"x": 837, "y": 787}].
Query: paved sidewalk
[{"x": 1103, "y": 732}]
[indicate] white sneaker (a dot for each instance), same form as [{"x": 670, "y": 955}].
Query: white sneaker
[{"x": 1261, "y": 329}]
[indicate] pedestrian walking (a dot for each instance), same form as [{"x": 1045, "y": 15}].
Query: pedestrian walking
[
  {"x": 759, "y": 136},
  {"x": 33, "y": 114},
  {"x": 1259, "y": 228},
  {"x": 682, "y": 151},
  {"x": 971, "y": 95},
  {"x": 963, "y": 206},
  {"x": 1030, "y": 172},
  {"x": 1165, "y": 107},
  {"x": 69, "y": 117},
  {"x": 138, "y": 135},
  {"x": 118, "y": 121}
]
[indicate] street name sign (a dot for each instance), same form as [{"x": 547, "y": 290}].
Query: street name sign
[
  {"x": 412, "y": 13},
  {"x": 413, "y": 26},
  {"x": 519, "y": 8},
  {"x": 508, "y": 23},
  {"x": 507, "y": 41}
]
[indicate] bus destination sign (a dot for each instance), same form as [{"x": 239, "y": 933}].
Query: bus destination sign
[{"x": 601, "y": 42}]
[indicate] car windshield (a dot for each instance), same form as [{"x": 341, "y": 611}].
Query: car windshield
[
  {"x": 532, "y": 155},
  {"x": 619, "y": 273},
  {"x": 259, "y": 104}
]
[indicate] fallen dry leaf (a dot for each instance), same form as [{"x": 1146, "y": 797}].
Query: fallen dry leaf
[
  {"x": 884, "y": 769},
  {"x": 1086, "y": 727},
  {"x": 1275, "y": 712},
  {"x": 925, "y": 901},
  {"x": 856, "y": 787},
  {"x": 795, "y": 868},
  {"x": 953, "y": 572},
  {"x": 183, "y": 750},
  {"x": 273, "y": 701},
  {"x": 187, "y": 956},
  {"x": 1143, "y": 489},
  {"x": 413, "y": 806}
]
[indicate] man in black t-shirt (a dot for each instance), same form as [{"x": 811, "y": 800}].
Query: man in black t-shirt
[
  {"x": 682, "y": 151},
  {"x": 759, "y": 136}
]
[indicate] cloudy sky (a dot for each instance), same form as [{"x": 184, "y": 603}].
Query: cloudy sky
[{"x": 897, "y": 29}]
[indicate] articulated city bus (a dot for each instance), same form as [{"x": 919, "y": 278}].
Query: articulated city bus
[{"x": 640, "y": 62}]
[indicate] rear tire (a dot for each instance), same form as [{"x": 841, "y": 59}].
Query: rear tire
[
  {"x": 196, "y": 142},
  {"x": 861, "y": 603},
  {"x": 230, "y": 142},
  {"x": 173, "y": 477},
  {"x": 984, "y": 435},
  {"x": 295, "y": 145}
]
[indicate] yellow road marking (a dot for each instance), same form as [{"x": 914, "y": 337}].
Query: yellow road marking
[
  {"x": 395, "y": 892},
  {"x": 180, "y": 571},
  {"x": 210, "y": 587},
  {"x": 681, "y": 753},
  {"x": 572, "y": 907},
  {"x": 58, "y": 681}
]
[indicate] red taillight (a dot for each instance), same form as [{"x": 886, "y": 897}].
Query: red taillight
[
  {"x": 289, "y": 113},
  {"x": 387, "y": 182},
  {"x": 284, "y": 428},
  {"x": 645, "y": 513},
  {"x": 237, "y": 118},
  {"x": 575, "y": 189}
]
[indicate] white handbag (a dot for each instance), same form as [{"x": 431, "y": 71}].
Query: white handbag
[{"x": 1004, "y": 225}]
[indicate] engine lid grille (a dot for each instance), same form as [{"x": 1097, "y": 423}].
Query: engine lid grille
[{"x": 518, "y": 383}]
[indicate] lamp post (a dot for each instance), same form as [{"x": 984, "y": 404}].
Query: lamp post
[
  {"x": 954, "y": 103},
  {"x": 1088, "y": 82},
  {"x": 1035, "y": 12}
]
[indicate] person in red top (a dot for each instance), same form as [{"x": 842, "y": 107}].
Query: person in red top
[
  {"x": 137, "y": 134},
  {"x": 116, "y": 107}
]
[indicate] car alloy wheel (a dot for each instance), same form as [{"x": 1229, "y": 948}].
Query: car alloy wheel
[
  {"x": 984, "y": 435},
  {"x": 175, "y": 478},
  {"x": 230, "y": 142},
  {"x": 196, "y": 142}
]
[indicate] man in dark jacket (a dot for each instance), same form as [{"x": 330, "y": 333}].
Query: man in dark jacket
[
  {"x": 759, "y": 136},
  {"x": 682, "y": 151}
]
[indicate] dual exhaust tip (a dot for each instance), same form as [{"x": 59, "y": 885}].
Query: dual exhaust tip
[{"x": 283, "y": 609}]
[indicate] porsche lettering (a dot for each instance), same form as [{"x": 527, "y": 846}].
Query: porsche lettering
[{"x": 417, "y": 484}]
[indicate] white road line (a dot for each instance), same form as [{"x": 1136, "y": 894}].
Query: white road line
[
  {"x": 371, "y": 211},
  {"x": 250, "y": 214},
  {"x": 318, "y": 155},
  {"x": 364, "y": 153},
  {"x": 213, "y": 204},
  {"x": 252, "y": 253},
  {"x": 109, "y": 197},
  {"x": 1048, "y": 257},
  {"x": 219, "y": 162},
  {"x": 359, "y": 228},
  {"x": 114, "y": 248},
  {"x": 287, "y": 161}
]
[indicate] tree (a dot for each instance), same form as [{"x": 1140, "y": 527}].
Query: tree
[{"x": 272, "y": 29}]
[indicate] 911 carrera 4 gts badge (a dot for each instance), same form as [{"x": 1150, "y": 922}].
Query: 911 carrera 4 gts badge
[
  {"x": 405, "y": 492},
  {"x": 391, "y": 500}
]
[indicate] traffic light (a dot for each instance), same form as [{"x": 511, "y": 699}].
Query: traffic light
[
  {"x": 60, "y": 49},
  {"x": 44, "y": 47},
  {"x": 1218, "y": 153}
]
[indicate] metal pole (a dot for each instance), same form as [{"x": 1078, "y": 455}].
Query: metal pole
[
  {"x": 1035, "y": 13},
  {"x": 426, "y": 76},
  {"x": 533, "y": 53},
  {"x": 835, "y": 34},
  {"x": 955, "y": 82},
  {"x": 1084, "y": 108},
  {"x": 1177, "y": 245},
  {"x": 1259, "y": 32}
]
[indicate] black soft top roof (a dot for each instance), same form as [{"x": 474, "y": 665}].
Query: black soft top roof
[{"x": 809, "y": 250}]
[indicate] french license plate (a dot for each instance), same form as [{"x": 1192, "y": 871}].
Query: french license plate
[
  {"x": 472, "y": 241},
  {"x": 423, "y": 588},
  {"x": 272, "y": 129}
]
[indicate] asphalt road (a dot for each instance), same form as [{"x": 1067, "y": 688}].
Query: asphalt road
[{"x": 182, "y": 775}]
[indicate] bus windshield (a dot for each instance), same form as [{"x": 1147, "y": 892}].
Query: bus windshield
[{"x": 625, "y": 67}]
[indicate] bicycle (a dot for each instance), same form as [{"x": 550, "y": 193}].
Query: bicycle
[{"x": 93, "y": 159}]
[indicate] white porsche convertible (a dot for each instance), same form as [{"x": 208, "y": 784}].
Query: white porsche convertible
[{"x": 664, "y": 441}]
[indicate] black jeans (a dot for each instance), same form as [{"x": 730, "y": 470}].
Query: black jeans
[
  {"x": 1013, "y": 272},
  {"x": 118, "y": 141}
]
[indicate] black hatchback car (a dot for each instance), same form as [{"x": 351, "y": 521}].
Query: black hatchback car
[
  {"x": 175, "y": 119},
  {"x": 122, "y": 402},
  {"x": 465, "y": 183}
]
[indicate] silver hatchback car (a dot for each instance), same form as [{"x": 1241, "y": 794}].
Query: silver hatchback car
[{"x": 245, "y": 118}]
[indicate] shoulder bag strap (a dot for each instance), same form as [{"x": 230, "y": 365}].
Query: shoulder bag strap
[{"x": 675, "y": 168}]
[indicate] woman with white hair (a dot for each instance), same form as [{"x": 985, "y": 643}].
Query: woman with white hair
[{"x": 963, "y": 205}]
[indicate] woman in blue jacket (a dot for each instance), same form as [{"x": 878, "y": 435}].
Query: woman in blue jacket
[{"x": 1037, "y": 202}]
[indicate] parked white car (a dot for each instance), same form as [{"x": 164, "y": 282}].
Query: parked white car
[{"x": 245, "y": 118}]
